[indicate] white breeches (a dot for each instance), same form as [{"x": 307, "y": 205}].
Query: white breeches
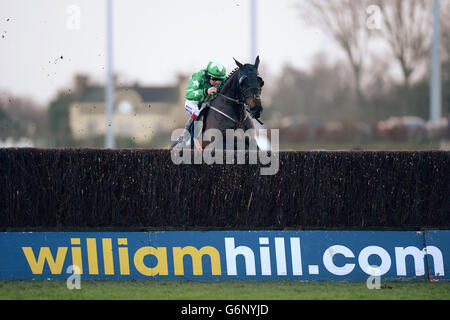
[{"x": 191, "y": 107}]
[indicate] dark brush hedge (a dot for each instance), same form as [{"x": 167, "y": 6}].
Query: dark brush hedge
[{"x": 90, "y": 188}]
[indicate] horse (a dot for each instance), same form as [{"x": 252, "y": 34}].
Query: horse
[{"x": 238, "y": 96}]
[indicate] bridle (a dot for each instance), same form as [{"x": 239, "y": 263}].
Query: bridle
[{"x": 240, "y": 101}]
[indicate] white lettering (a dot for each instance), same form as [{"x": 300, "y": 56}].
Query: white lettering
[
  {"x": 231, "y": 254},
  {"x": 438, "y": 261},
  {"x": 363, "y": 261},
  {"x": 329, "y": 264},
  {"x": 280, "y": 253},
  {"x": 265, "y": 257},
  {"x": 296, "y": 255},
  {"x": 400, "y": 260}
]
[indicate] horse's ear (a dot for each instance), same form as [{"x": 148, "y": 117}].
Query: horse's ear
[
  {"x": 257, "y": 62},
  {"x": 240, "y": 65}
]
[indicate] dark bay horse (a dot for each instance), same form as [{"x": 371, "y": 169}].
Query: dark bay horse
[{"x": 238, "y": 97}]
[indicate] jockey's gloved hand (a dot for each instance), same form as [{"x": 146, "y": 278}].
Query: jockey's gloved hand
[{"x": 211, "y": 91}]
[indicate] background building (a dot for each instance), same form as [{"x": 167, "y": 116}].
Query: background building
[{"x": 140, "y": 113}]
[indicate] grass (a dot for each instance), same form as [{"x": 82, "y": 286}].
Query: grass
[{"x": 185, "y": 290}]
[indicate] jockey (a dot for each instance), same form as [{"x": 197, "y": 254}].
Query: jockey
[{"x": 202, "y": 87}]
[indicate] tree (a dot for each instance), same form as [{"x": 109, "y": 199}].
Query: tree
[
  {"x": 3, "y": 115},
  {"x": 345, "y": 22},
  {"x": 445, "y": 36},
  {"x": 406, "y": 28},
  {"x": 4, "y": 122},
  {"x": 322, "y": 93},
  {"x": 19, "y": 116},
  {"x": 445, "y": 29},
  {"x": 58, "y": 121}
]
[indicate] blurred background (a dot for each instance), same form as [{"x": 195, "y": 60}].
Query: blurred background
[{"x": 339, "y": 75}]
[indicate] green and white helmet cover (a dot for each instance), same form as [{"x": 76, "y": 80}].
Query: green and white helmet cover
[{"x": 216, "y": 69}]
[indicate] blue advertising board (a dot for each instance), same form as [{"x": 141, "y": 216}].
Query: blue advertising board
[
  {"x": 437, "y": 242},
  {"x": 226, "y": 255}
]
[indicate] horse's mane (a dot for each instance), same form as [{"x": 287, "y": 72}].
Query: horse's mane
[
  {"x": 227, "y": 78},
  {"x": 231, "y": 73}
]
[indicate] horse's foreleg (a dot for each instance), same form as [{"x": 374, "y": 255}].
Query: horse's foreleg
[{"x": 250, "y": 145}]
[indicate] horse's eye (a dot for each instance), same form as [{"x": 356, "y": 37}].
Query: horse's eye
[{"x": 261, "y": 81}]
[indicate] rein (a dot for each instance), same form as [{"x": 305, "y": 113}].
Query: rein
[
  {"x": 227, "y": 116},
  {"x": 237, "y": 101},
  {"x": 231, "y": 99}
]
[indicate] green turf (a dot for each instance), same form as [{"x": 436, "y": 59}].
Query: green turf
[{"x": 181, "y": 290}]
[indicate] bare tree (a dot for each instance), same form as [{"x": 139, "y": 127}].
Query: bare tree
[
  {"x": 345, "y": 22},
  {"x": 407, "y": 29},
  {"x": 445, "y": 28},
  {"x": 445, "y": 37}
]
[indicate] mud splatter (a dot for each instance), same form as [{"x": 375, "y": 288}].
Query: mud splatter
[{"x": 56, "y": 60}]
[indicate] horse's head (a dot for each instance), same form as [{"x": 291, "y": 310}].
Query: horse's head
[{"x": 250, "y": 85}]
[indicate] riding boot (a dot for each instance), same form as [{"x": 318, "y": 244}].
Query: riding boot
[
  {"x": 187, "y": 133},
  {"x": 189, "y": 123}
]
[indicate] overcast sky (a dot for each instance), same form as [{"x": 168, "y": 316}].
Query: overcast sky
[{"x": 154, "y": 40}]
